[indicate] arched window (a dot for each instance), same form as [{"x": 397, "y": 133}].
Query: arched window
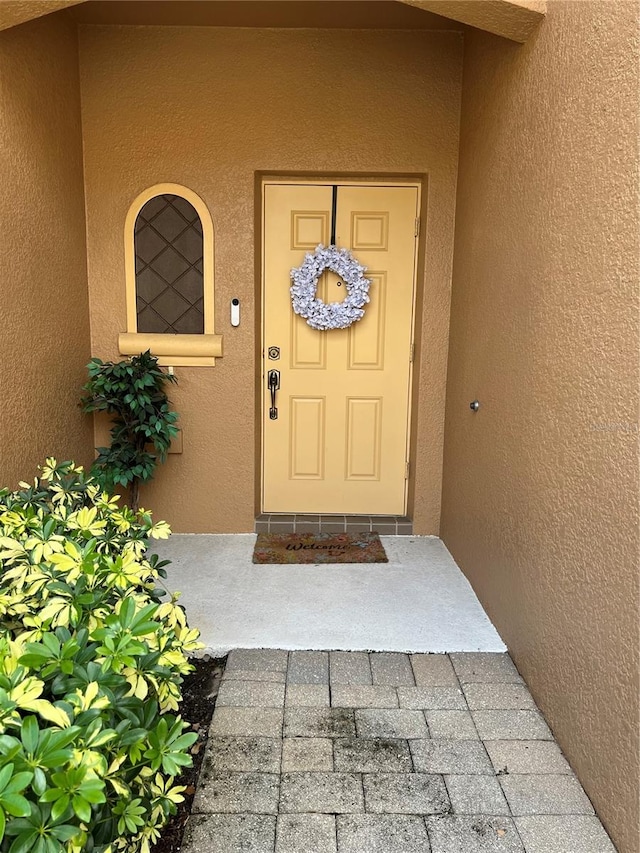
[
  {"x": 169, "y": 278},
  {"x": 169, "y": 267}
]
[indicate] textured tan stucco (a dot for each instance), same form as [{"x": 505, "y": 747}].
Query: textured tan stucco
[
  {"x": 207, "y": 108},
  {"x": 540, "y": 498},
  {"x": 44, "y": 339}
]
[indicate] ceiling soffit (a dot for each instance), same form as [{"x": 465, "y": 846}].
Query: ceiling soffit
[
  {"x": 14, "y": 12},
  {"x": 513, "y": 19}
]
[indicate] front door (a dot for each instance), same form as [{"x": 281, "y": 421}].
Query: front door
[{"x": 339, "y": 443}]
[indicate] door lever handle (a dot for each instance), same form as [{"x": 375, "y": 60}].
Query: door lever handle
[{"x": 273, "y": 384}]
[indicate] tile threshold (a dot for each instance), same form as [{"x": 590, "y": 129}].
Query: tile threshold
[{"x": 387, "y": 525}]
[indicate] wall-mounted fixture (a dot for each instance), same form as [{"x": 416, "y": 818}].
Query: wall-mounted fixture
[
  {"x": 235, "y": 312},
  {"x": 474, "y": 406}
]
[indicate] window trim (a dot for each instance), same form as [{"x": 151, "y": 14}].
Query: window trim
[{"x": 172, "y": 349}]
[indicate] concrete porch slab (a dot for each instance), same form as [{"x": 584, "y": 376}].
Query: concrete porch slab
[{"x": 418, "y": 602}]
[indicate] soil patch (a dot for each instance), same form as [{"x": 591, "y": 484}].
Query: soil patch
[{"x": 199, "y": 692}]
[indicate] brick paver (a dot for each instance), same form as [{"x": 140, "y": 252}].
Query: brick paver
[
  {"x": 442, "y": 698},
  {"x": 302, "y": 833},
  {"x": 376, "y": 755},
  {"x": 307, "y": 695},
  {"x": 457, "y": 725},
  {"x": 308, "y": 668},
  {"x": 309, "y": 753},
  {"x": 350, "y": 668},
  {"x": 348, "y": 752},
  {"x": 376, "y": 722},
  {"x": 322, "y": 793},
  {"x": 251, "y": 694},
  {"x": 363, "y": 696},
  {"x": 392, "y": 669}
]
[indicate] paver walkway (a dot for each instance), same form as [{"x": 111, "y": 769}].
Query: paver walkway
[{"x": 349, "y": 752}]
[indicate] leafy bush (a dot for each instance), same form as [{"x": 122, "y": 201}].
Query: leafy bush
[
  {"x": 143, "y": 424},
  {"x": 91, "y": 664}
]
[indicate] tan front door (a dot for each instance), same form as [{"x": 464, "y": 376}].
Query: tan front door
[{"x": 340, "y": 440}]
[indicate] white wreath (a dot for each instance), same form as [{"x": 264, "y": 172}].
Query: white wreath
[{"x": 335, "y": 315}]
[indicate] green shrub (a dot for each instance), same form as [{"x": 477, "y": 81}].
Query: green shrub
[
  {"x": 133, "y": 391},
  {"x": 91, "y": 664}
]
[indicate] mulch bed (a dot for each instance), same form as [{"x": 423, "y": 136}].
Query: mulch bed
[{"x": 199, "y": 691}]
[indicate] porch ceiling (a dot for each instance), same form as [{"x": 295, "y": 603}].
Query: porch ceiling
[
  {"x": 345, "y": 14},
  {"x": 513, "y": 19},
  {"x": 14, "y": 12}
]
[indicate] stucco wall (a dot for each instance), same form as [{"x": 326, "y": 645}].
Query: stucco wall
[
  {"x": 540, "y": 493},
  {"x": 208, "y": 107},
  {"x": 44, "y": 339}
]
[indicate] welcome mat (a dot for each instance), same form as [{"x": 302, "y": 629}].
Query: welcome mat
[{"x": 319, "y": 548}]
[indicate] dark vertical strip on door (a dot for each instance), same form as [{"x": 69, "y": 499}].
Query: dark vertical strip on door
[{"x": 334, "y": 207}]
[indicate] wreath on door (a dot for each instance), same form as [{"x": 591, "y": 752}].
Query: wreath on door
[{"x": 334, "y": 315}]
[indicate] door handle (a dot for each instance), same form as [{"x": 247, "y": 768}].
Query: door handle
[{"x": 273, "y": 384}]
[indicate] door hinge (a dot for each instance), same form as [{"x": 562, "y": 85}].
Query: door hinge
[
  {"x": 412, "y": 353},
  {"x": 417, "y": 231},
  {"x": 407, "y": 467}
]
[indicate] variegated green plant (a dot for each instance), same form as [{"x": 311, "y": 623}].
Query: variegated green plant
[{"x": 91, "y": 663}]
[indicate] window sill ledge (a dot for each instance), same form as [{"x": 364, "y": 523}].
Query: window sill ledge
[{"x": 173, "y": 350}]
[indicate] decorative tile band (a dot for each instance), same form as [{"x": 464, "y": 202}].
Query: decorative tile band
[{"x": 389, "y": 525}]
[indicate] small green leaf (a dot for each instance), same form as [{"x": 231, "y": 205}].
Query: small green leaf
[
  {"x": 16, "y": 805},
  {"x": 59, "y": 807},
  {"x": 29, "y": 734},
  {"x": 82, "y": 808},
  {"x": 5, "y": 775},
  {"x": 19, "y": 782},
  {"x": 24, "y": 842},
  {"x": 39, "y": 784},
  {"x": 64, "y": 832}
]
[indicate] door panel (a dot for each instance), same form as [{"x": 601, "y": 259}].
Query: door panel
[
  {"x": 363, "y": 427},
  {"x": 340, "y": 442},
  {"x": 306, "y": 440}
]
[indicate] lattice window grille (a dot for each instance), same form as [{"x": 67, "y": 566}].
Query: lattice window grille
[{"x": 169, "y": 267}]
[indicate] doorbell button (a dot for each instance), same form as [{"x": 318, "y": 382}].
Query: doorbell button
[{"x": 235, "y": 312}]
